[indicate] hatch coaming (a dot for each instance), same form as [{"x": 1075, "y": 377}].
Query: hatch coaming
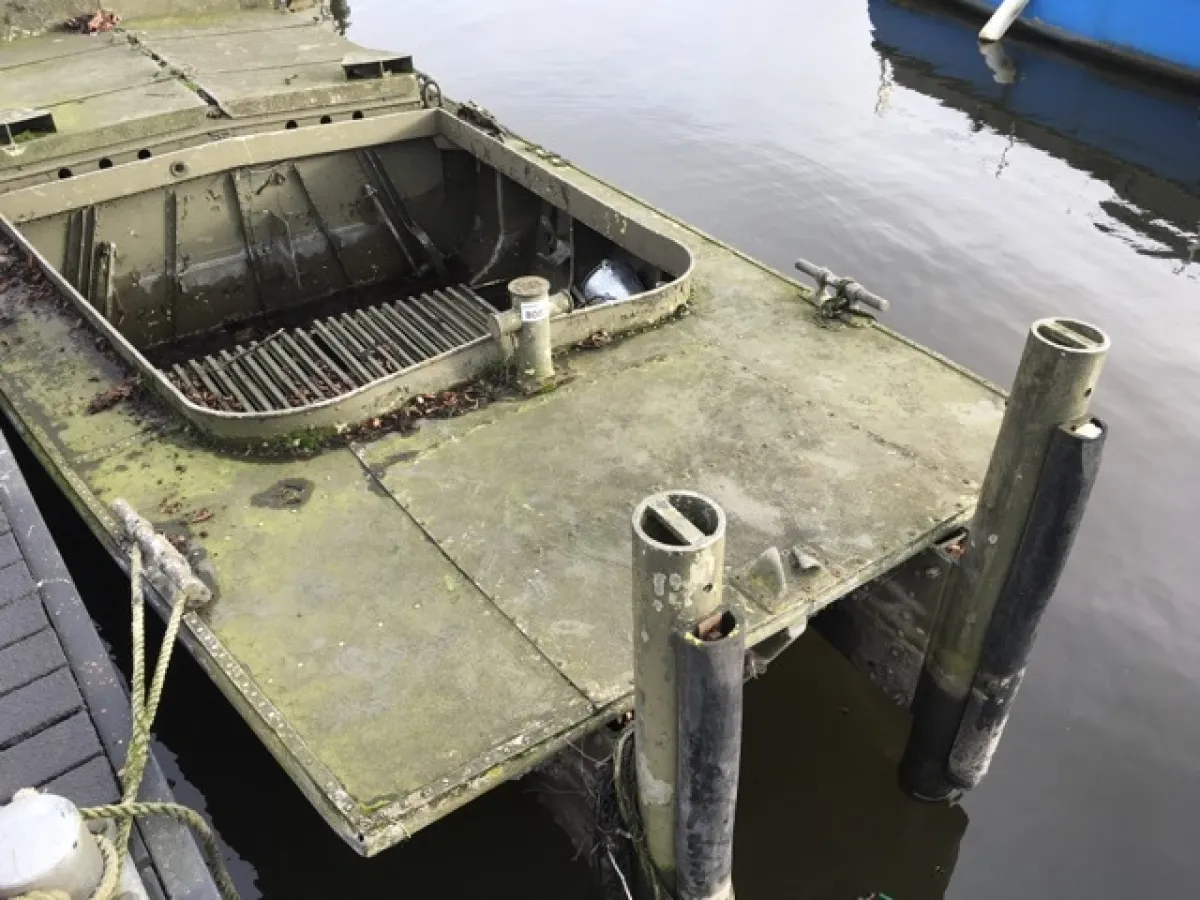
[{"x": 245, "y": 279}]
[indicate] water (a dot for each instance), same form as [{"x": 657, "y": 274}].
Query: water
[{"x": 790, "y": 127}]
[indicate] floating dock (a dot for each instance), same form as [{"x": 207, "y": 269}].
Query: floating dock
[
  {"x": 409, "y": 616},
  {"x": 64, "y": 711}
]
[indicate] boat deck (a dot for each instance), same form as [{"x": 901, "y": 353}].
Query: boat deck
[
  {"x": 64, "y": 714},
  {"x": 407, "y": 620},
  {"x": 159, "y": 84}
]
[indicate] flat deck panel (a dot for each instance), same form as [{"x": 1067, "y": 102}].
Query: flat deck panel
[
  {"x": 63, "y": 390},
  {"x": 91, "y": 784},
  {"x": 28, "y": 658},
  {"x": 140, "y": 112},
  {"x": 54, "y": 46},
  {"x": 22, "y": 617},
  {"x": 36, "y": 706},
  {"x": 298, "y": 68},
  {"x": 116, "y": 67},
  {"x": 534, "y": 505},
  {"x": 125, "y": 96},
  {"x": 390, "y": 665},
  {"x": 49, "y": 754}
]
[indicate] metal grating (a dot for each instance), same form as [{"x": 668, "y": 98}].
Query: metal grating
[{"x": 334, "y": 356}]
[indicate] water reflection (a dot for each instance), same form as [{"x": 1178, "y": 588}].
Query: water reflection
[
  {"x": 820, "y": 812},
  {"x": 1142, "y": 139}
]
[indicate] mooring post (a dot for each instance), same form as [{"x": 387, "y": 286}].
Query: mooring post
[
  {"x": 710, "y": 663},
  {"x": 1054, "y": 382},
  {"x": 531, "y": 297},
  {"x": 1066, "y": 482},
  {"x": 529, "y": 319},
  {"x": 678, "y": 581}
]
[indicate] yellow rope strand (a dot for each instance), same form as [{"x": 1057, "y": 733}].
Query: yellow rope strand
[{"x": 144, "y": 708}]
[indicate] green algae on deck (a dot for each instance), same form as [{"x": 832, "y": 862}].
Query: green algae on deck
[{"x": 436, "y": 612}]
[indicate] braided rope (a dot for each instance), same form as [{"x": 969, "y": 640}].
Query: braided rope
[
  {"x": 144, "y": 708},
  {"x": 127, "y": 812}
]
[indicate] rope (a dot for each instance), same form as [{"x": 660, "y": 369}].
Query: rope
[
  {"x": 144, "y": 707},
  {"x": 626, "y": 791},
  {"x": 127, "y": 812}
]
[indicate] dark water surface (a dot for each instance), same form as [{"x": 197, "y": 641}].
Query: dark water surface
[{"x": 871, "y": 138}]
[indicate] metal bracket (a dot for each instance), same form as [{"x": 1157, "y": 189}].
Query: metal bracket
[
  {"x": 368, "y": 65},
  {"x": 838, "y": 297},
  {"x": 165, "y": 567},
  {"x": 18, "y": 125},
  {"x": 431, "y": 92}
]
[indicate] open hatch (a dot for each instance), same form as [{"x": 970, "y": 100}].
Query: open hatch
[{"x": 313, "y": 277}]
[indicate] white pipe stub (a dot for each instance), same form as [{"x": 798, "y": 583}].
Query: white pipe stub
[
  {"x": 47, "y": 847},
  {"x": 1002, "y": 19}
]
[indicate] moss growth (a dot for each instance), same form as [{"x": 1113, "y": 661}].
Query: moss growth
[{"x": 25, "y": 137}]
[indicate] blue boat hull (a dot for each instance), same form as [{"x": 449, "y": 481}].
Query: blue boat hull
[
  {"x": 1139, "y": 137},
  {"x": 1162, "y": 35}
]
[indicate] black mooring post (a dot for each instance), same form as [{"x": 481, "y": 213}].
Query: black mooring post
[
  {"x": 1064, "y": 486},
  {"x": 709, "y": 664},
  {"x": 1059, "y": 369}
]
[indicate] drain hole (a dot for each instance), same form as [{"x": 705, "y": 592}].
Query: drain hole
[
  {"x": 358, "y": 114},
  {"x": 65, "y": 173},
  {"x": 106, "y": 163},
  {"x": 144, "y": 154},
  {"x": 291, "y": 123},
  {"x": 326, "y": 120}
]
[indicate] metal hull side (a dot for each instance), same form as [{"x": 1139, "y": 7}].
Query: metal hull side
[
  {"x": 1161, "y": 35},
  {"x": 1098, "y": 121},
  {"x": 43, "y": 215}
]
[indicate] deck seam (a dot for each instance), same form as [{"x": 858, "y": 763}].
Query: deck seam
[
  {"x": 357, "y": 451},
  {"x": 54, "y": 59}
]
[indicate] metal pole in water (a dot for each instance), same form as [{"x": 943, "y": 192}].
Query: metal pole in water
[
  {"x": 1072, "y": 464},
  {"x": 1054, "y": 383},
  {"x": 678, "y": 580},
  {"x": 710, "y": 663}
]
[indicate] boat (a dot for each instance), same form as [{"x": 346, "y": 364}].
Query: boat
[
  {"x": 393, "y": 379},
  {"x": 1137, "y": 136},
  {"x": 1160, "y": 36}
]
